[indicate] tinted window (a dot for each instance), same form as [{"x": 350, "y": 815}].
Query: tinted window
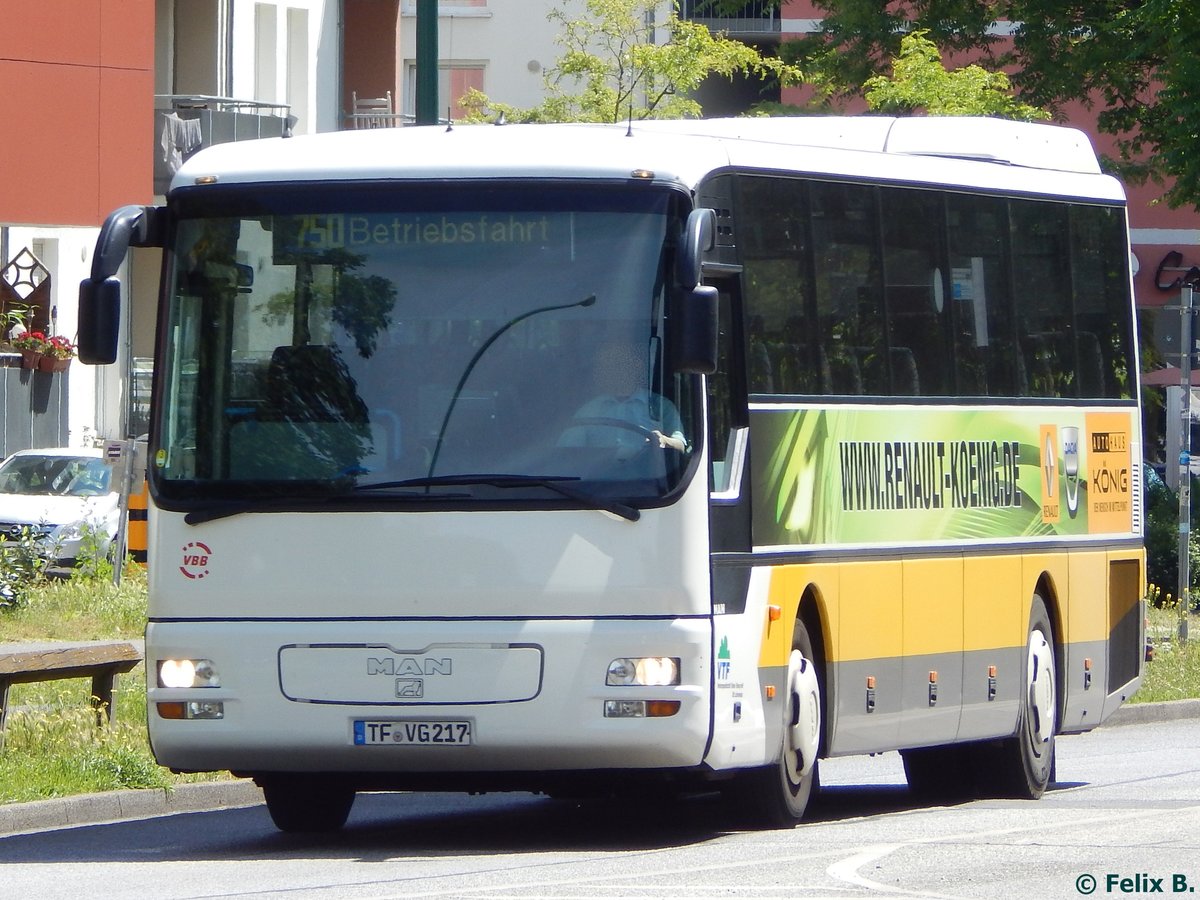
[{"x": 856, "y": 289}]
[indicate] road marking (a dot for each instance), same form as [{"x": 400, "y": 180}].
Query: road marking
[{"x": 846, "y": 870}]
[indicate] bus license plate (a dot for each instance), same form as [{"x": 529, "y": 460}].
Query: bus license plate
[{"x": 407, "y": 732}]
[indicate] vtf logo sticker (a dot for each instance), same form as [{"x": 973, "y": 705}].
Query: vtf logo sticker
[
  {"x": 195, "y": 560},
  {"x": 724, "y": 665}
]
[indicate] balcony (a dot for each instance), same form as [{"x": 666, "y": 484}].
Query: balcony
[
  {"x": 750, "y": 21},
  {"x": 184, "y": 124}
]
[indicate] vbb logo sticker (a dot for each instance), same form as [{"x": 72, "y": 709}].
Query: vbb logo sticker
[{"x": 195, "y": 560}]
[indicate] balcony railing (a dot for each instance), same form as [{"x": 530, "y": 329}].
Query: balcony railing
[
  {"x": 750, "y": 20},
  {"x": 185, "y": 123}
]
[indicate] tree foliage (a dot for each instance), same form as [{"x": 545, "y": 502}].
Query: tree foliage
[
  {"x": 919, "y": 81},
  {"x": 1135, "y": 62},
  {"x": 612, "y": 69}
]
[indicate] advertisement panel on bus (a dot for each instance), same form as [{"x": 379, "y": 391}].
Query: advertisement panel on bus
[{"x": 884, "y": 475}]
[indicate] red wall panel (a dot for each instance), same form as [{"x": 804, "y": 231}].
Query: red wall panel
[
  {"x": 126, "y": 34},
  {"x": 57, "y": 31},
  {"x": 77, "y": 100},
  {"x": 126, "y": 146},
  {"x": 48, "y": 158}
]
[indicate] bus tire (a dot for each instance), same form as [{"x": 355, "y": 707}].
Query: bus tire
[
  {"x": 1026, "y": 760},
  {"x": 300, "y": 804},
  {"x": 776, "y": 796}
]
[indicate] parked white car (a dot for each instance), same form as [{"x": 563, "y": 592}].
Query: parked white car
[{"x": 59, "y": 495}]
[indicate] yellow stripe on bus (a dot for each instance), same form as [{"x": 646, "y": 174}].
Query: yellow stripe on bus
[{"x": 887, "y": 609}]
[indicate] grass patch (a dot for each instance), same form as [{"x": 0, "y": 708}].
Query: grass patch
[
  {"x": 1174, "y": 673},
  {"x": 52, "y": 747},
  {"x": 79, "y": 609}
]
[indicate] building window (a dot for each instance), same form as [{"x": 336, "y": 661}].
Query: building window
[{"x": 454, "y": 80}]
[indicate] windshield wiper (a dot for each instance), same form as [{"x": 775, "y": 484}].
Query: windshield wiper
[
  {"x": 227, "y": 509},
  {"x": 550, "y": 482}
]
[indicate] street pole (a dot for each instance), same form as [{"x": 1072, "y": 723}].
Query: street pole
[
  {"x": 1185, "y": 452},
  {"x": 427, "y": 62}
]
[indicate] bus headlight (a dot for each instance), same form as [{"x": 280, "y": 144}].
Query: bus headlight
[
  {"x": 187, "y": 673},
  {"x": 649, "y": 671}
]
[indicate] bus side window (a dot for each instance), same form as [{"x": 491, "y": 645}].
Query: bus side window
[
  {"x": 1099, "y": 275},
  {"x": 848, "y": 269},
  {"x": 726, "y": 398},
  {"x": 987, "y": 360}
]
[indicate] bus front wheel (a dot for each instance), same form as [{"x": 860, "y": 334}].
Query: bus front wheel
[
  {"x": 299, "y": 803},
  {"x": 776, "y": 796}
]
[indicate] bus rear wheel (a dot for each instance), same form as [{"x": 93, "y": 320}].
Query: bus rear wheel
[
  {"x": 300, "y": 804},
  {"x": 776, "y": 796}
]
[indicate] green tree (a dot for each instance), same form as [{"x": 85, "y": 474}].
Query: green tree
[
  {"x": 919, "y": 81},
  {"x": 611, "y": 68},
  {"x": 1136, "y": 62}
]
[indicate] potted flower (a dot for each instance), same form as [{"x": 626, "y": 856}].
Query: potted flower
[
  {"x": 32, "y": 345},
  {"x": 12, "y": 323},
  {"x": 58, "y": 354}
]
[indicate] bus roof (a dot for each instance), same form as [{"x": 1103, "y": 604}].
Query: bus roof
[{"x": 970, "y": 153}]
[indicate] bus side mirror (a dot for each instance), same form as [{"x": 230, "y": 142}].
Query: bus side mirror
[
  {"x": 699, "y": 237},
  {"x": 99, "y": 321},
  {"x": 100, "y": 295},
  {"x": 693, "y": 330}
]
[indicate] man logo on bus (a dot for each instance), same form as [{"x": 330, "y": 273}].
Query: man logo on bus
[{"x": 412, "y": 688}]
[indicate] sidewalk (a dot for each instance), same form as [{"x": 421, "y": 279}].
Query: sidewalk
[{"x": 115, "y": 806}]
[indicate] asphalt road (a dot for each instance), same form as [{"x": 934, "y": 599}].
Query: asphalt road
[{"x": 1123, "y": 820}]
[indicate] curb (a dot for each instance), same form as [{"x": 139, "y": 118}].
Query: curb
[
  {"x": 117, "y": 806},
  {"x": 1146, "y": 713}
]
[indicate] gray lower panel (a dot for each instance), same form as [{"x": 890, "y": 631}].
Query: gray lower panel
[{"x": 974, "y": 697}]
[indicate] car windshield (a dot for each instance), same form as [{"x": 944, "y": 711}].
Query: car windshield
[
  {"x": 409, "y": 343},
  {"x": 62, "y": 476}
]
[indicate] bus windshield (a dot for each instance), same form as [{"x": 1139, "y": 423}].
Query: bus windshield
[{"x": 454, "y": 344}]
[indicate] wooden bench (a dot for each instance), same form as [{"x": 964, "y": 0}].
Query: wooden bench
[{"x": 103, "y": 661}]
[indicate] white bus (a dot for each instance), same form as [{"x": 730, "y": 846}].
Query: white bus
[{"x": 865, "y": 479}]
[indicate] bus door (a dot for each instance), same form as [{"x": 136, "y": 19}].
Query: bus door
[{"x": 736, "y": 638}]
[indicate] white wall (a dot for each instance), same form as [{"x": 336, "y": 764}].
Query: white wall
[
  {"x": 511, "y": 39},
  {"x": 288, "y": 51},
  {"x": 67, "y": 254}
]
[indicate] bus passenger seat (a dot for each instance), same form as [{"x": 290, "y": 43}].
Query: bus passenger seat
[{"x": 845, "y": 375}]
